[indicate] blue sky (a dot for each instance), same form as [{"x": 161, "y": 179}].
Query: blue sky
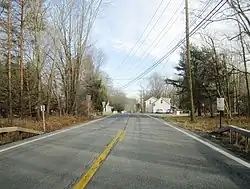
[{"x": 118, "y": 28}]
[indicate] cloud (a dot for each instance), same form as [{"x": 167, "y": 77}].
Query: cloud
[{"x": 121, "y": 46}]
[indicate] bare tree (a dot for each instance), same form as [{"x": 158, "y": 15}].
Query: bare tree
[
  {"x": 74, "y": 24},
  {"x": 245, "y": 68},
  {"x": 9, "y": 61},
  {"x": 156, "y": 85},
  {"x": 21, "y": 56}
]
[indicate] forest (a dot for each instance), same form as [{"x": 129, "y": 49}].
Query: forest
[
  {"x": 219, "y": 65},
  {"x": 47, "y": 58}
]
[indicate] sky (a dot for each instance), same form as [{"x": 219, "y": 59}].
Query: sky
[{"x": 119, "y": 32}]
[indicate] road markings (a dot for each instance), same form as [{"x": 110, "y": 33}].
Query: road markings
[
  {"x": 90, "y": 173},
  {"x": 240, "y": 161},
  {"x": 122, "y": 136},
  {"x": 49, "y": 135}
]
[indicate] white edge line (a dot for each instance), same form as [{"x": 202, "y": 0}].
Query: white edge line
[
  {"x": 49, "y": 135},
  {"x": 238, "y": 160}
]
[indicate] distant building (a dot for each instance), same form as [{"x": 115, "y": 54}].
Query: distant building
[
  {"x": 154, "y": 105},
  {"x": 149, "y": 104},
  {"x": 108, "y": 108},
  {"x": 162, "y": 105}
]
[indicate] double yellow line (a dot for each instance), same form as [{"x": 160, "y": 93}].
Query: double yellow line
[{"x": 90, "y": 173}]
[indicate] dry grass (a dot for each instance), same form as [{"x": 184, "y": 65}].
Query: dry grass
[
  {"x": 207, "y": 124},
  {"x": 52, "y": 123}
]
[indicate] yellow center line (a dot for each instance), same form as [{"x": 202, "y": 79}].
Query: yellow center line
[
  {"x": 122, "y": 136},
  {"x": 90, "y": 173}
]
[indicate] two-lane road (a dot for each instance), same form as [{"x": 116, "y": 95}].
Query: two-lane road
[{"x": 151, "y": 155}]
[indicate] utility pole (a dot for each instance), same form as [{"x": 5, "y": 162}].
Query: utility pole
[
  {"x": 189, "y": 74},
  {"x": 143, "y": 108},
  {"x": 141, "y": 100}
]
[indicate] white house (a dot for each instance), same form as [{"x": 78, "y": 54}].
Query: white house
[
  {"x": 107, "y": 108},
  {"x": 162, "y": 105},
  {"x": 149, "y": 104}
]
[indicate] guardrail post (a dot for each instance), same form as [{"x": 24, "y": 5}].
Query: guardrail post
[
  {"x": 1, "y": 138},
  {"x": 246, "y": 144},
  {"x": 230, "y": 136},
  {"x": 236, "y": 138}
]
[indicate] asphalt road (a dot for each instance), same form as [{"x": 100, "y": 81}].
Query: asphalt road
[{"x": 152, "y": 155}]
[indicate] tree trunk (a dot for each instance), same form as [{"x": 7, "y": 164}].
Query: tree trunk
[
  {"x": 39, "y": 82},
  {"x": 199, "y": 108},
  {"x": 21, "y": 58},
  {"x": 245, "y": 71},
  {"x": 211, "y": 108},
  {"x": 238, "y": 91},
  {"x": 51, "y": 78},
  {"x": 29, "y": 98},
  {"x": 228, "y": 99},
  {"x": 10, "y": 116},
  {"x": 235, "y": 94}
]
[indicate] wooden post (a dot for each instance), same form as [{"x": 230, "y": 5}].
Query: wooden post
[
  {"x": 43, "y": 116},
  {"x": 236, "y": 138},
  {"x": 1, "y": 138},
  {"x": 230, "y": 136},
  {"x": 189, "y": 74},
  {"x": 246, "y": 144},
  {"x": 220, "y": 119},
  {"x": 44, "y": 128}
]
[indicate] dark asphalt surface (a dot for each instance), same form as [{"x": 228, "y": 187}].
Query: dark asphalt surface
[{"x": 152, "y": 155}]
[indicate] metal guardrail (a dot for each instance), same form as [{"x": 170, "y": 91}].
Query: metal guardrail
[
  {"x": 14, "y": 129},
  {"x": 235, "y": 133},
  {"x": 11, "y": 134}
]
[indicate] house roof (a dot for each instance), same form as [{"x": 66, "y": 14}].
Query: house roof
[
  {"x": 151, "y": 98},
  {"x": 167, "y": 100}
]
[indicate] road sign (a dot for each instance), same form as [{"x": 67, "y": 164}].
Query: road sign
[
  {"x": 43, "y": 108},
  {"x": 220, "y": 104}
]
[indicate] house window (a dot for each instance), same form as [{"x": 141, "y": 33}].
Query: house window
[
  {"x": 161, "y": 101},
  {"x": 150, "y": 102}
]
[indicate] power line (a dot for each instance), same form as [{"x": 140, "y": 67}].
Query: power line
[
  {"x": 203, "y": 9},
  {"x": 129, "y": 54},
  {"x": 210, "y": 15},
  {"x": 138, "y": 40},
  {"x": 160, "y": 35},
  {"x": 193, "y": 22}
]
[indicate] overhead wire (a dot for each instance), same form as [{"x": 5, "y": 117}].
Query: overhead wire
[
  {"x": 143, "y": 56},
  {"x": 192, "y": 23},
  {"x": 138, "y": 40},
  {"x": 129, "y": 54},
  {"x": 194, "y": 30}
]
